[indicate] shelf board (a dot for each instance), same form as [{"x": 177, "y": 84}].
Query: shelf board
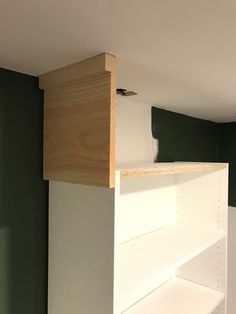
[
  {"x": 179, "y": 296},
  {"x": 152, "y": 259},
  {"x": 157, "y": 169}
]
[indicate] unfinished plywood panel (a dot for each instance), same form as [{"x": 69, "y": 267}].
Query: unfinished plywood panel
[
  {"x": 79, "y": 122},
  {"x": 157, "y": 169}
]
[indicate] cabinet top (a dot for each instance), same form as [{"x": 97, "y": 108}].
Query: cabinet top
[{"x": 156, "y": 169}]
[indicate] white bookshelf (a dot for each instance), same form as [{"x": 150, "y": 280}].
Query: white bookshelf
[
  {"x": 171, "y": 220},
  {"x": 153, "y": 239},
  {"x": 158, "y": 239},
  {"x": 149, "y": 268},
  {"x": 179, "y": 296},
  {"x": 154, "y": 244}
]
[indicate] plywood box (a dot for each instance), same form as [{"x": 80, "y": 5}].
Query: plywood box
[{"x": 79, "y": 122}]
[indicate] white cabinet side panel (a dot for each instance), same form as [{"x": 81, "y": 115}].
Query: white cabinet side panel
[
  {"x": 133, "y": 132},
  {"x": 232, "y": 262},
  {"x": 203, "y": 199},
  {"x": 81, "y": 249},
  {"x": 145, "y": 204}
]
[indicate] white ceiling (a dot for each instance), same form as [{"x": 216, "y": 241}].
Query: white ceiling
[{"x": 177, "y": 54}]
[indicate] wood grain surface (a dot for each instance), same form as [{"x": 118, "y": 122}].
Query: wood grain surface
[
  {"x": 104, "y": 62},
  {"x": 79, "y": 124}
]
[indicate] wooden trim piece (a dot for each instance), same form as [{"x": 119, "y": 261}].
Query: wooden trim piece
[
  {"x": 101, "y": 63},
  {"x": 111, "y": 64},
  {"x": 79, "y": 122}
]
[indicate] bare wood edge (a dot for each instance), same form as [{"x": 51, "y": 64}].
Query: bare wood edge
[
  {"x": 176, "y": 169},
  {"x": 111, "y": 61},
  {"x": 104, "y": 62},
  {"x": 78, "y": 179}
]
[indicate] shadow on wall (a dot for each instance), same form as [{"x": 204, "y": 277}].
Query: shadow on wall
[{"x": 23, "y": 197}]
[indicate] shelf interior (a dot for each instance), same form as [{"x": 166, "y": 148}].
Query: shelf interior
[
  {"x": 152, "y": 259},
  {"x": 168, "y": 226},
  {"x": 179, "y": 296}
]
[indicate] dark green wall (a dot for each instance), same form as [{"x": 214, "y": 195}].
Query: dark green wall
[
  {"x": 227, "y": 153},
  {"x": 184, "y": 138},
  {"x": 23, "y": 197}
]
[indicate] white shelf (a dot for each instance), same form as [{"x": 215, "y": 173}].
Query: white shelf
[
  {"x": 179, "y": 296},
  {"x": 156, "y": 169},
  {"x": 152, "y": 259}
]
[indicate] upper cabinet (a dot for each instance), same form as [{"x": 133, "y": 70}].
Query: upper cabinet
[{"x": 79, "y": 122}]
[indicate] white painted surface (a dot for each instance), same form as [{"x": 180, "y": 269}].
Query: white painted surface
[
  {"x": 192, "y": 247},
  {"x": 146, "y": 204},
  {"x": 133, "y": 132},
  {"x": 208, "y": 268},
  {"x": 232, "y": 262},
  {"x": 88, "y": 260},
  {"x": 220, "y": 309},
  {"x": 204, "y": 198},
  {"x": 179, "y": 296},
  {"x": 144, "y": 261},
  {"x": 81, "y": 249},
  {"x": 178, "y": 55}
]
